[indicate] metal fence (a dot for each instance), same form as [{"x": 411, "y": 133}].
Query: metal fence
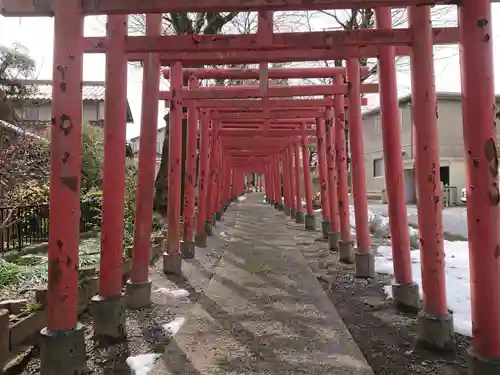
[{"x": 29, "y": 225}]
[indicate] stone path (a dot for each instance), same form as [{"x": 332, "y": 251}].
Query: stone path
[{"x": 261, "y": 310}]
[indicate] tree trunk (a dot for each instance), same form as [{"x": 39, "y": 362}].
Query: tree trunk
[{"x": 161, "y": 183}]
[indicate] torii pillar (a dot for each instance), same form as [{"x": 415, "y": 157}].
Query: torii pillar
[
  {"x": 435, "y": 323},
  {"x": 363, "y": 258},
  {"x": 63, "y": 333},
  {"x": 483, "y": 197},
  {"x": 405, "y": 291},
  {"x": 107, "y": 307},
  {"x": 172, "y": 257},
  {"x": 139, "y": 286}
]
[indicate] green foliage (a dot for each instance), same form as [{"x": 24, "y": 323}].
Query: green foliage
[
  {"x": 33, "y": 192},
  {"x": 9, "y": 273},
  {"x": 31, "y": 270},
  {"x": 92, "y": 158}
]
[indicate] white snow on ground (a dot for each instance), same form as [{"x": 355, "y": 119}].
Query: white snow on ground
[
  {"x": 173, "y": 327},
  {"x": 176, "y": 293},
  {"x": 457, "y": 279},
  {"x": 242, "y": 198},
  {"x": 456, "y": 268},
  {"x": 142, "y": 364}
]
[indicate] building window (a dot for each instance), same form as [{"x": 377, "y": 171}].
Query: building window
[
  {"x": 31, "y": 113},
  {"x": 378, "y": 167},
  {"x": 378, "y": 129}
]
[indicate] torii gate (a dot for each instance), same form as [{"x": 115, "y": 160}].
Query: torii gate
[{"x": 63, "y": 335}]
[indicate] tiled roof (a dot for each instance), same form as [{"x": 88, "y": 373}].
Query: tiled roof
[{"x": 90, "y": 90}]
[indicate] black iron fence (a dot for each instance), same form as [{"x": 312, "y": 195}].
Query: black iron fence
[{"x": 23, "y": 226}]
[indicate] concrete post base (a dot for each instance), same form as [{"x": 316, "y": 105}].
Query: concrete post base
[
  {"x": 63, "y": 352},
  {"x": 108, "y": 317},
  {"x": 481, "y": 365},
  {"x": 4, "y": 339},
  {"x": 286, "y": 210},
  {"x": 138, "y": 294},
  {"x": 365, "y": 264},
  {"x": 436, "y": 333},
  {"x": 200, "y": 240},
  {"x": 218, "y": 216},
  {"x": 406, "y": 297},
  {"x": 333, "y": 241},
  {"x": 187, "y": 250},
  {"x": 214, "y": 219},
  {"x": 208, "y": 228},
  {"x": 293, "y": 213},
  {"x": 325, "y": 229},
  {"x": 172, "y": 264},
  {"x": 345, "y": 252},
  {"x": 310, "y": 223},
  {"x": 299, "y": 217}
]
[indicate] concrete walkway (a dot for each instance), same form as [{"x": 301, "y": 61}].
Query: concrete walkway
[{"x": 263, "y": 310}]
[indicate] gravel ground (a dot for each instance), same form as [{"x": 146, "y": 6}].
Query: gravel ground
[
  {"x": 383, "y": 334},
  {"x": 144, "y": 327}
]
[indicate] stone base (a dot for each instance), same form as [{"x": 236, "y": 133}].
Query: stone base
[
  {"x": 208, "y": 228},
  {"x": 63, "y": 352},
  {"x": 436, "y": 333},
  {"x": 187, "y": 250},
  {"x": 299, "y": 217},
  {"x": 108, "y": 317},
  {"x": 172, "y": 264},
  {"x": 293, "y": 213},
  {"x": 218, "y": 216},
  {"x": 325, "y": 229},
  {"x": 214, "y": 219},
  {"x": 310, "y": 222},
  {"x": 138, "y": 294},
  {"x": 406, "y": 297},
  {"x": 200, "y": 240},
  {"x": 364, "y": 264},
  {"x": 481, "y": 365},
  {"x": 4, "y": 338},
  {"x": 333, "y": 241},
  {"x": 286, "y": 210},
  {"x": 345, "y": 252}
]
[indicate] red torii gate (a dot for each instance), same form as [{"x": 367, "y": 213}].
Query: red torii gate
[{"x": 63, "y": 334}]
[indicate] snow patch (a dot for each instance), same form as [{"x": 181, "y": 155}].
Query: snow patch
[
  {"x": 174, "y": 326},
  {"x": 176, "y": 293},
  {"x": 142, "y": 364},
  {"x": 457, "y": 279}
]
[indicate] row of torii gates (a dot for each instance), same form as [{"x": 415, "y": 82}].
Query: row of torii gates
[{"x": 266, "y": 130}]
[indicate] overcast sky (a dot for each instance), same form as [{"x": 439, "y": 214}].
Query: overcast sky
[{"x": 36, "y": 34}]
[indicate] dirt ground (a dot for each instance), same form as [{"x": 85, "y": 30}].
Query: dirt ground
[{"x": 386, "y": 337}]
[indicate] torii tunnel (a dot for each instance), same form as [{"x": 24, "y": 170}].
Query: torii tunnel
[{"x": 266, "y": 130}]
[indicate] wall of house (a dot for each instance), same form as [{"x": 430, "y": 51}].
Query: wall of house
[
  {"x": 135, "y": 143},
  {"x": 92, "y": 111},
  {"x": 450, "y": 132},
  {"x": 372, "y": 138}
]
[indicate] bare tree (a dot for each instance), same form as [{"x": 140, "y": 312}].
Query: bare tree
[
  {"x": 207, "y": 23},
  {"x": 356, "y": 19}
]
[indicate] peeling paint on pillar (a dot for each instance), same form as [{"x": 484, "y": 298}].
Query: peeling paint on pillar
[
  {"x": 66, "y": 151},
  {"x": 483, "y": 215}
]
